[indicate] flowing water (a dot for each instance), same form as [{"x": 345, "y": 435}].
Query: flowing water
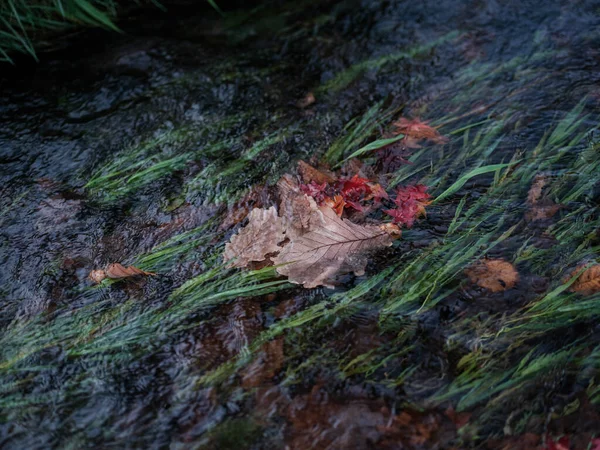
[{"x": 148, "y": 147}]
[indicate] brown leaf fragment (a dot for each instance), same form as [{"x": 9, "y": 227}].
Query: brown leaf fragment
[
  {"x": 257, "y": 239},
  {"x": 535, "y": 191},
  {"x": 97, "y": 275},
  {"x": 538, "y": 208},
  {"x": 305, "y": 102},
  {"x": 495, "y": 275},
  {"x": 236, "y": 213},
  {"x": 309, "y": 173},
  {"x": 334, "y": 246},
  {"x": 538, "y": 212},
  {"x": 298, "y": 211},
  {"x": 588, "y": 282},
  {"x": 117, "y": 271},
  {"x": 336, "y": 203}
]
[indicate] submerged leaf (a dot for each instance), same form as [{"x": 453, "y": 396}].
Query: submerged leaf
[
  {"x": 411, "y": 202},
  {"x": 413, "y": 130},
  {"x": 495, "y": 275},
  {"x": 257, "y": 239},
  {"x": 335, "y": 246},
  {"x": 538, "y": 208},
  {"x": 336, "y": 203},
  {"x": 588, "y": 282},
  {"x": 116, "y": 271},
  {"x": 309, "y": 173},
  {"x": 298, "y": 211}
]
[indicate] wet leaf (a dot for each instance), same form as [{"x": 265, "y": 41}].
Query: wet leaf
[
  {"x": 411, "y": 202},
  {"x": 377, "y": 192},
  {"x": 417, "y": 129},
  {"x": 117, "y": 271},
  {"x": 97, "y": 275},
  {"x": 588, "y": 282},
  {"x": 538, "y": 209},
  {"x": 257, "y": 239},
  {"x": 336, "y": 203},
  {"x": 309, "y": 174},
  {"x": 354, "y": 191},
  {"x": 314, "y": 190},
  {"x": 535, "y": 191},
  {"x": 335, "y": 246},
  {"x": 495, "y": 275},
  {"x": 308, "y": 100},
  {"x": 240, "y": 210},
  {"x": 298, "y": 211}
]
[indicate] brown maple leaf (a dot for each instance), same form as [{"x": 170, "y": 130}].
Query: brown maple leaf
[
  {"x": 588, "y": 282},
  {"x": 257, "y": 239},
  {"x": 495, "y": 275},
  {"x": 337, "y": 245}
]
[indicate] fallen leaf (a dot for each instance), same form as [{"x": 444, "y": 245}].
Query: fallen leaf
[
  {"x": 538, "y": 209},
  {"x": 411, "y": 202},
  {"x": 541, "y": 212},
  {"x": 588, "y": 282},
  {"x": 298, "y": 211},
  {"x": 535, "y": 191},
  {"x": 314, "y": 190},
  {"x": 335, "y": 246},
  {"x": 117, "y": 271},
  {"x": 495, "y": 275},
  {"x": 377, "y": 192},
  {"x": 354, "y": 190},
  {"x": 336, "y": 203},
  {"x": 308, "y": 100},
  {"x": 240, "y": 210},
  {"x": 309, "y": 173},
  {"x": 415, "y": 129},
  {"x": 97, "y": 275},
  {"x": 257, "y": 239}
]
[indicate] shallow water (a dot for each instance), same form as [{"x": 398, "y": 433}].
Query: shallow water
[{"x": 136, "y": 150}]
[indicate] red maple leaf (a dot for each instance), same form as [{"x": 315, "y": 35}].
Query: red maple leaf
[
  {"x": 411, "y": 202},
  {"x": 315, "y": 190},
  {"x": 354, "y": 190},
  {"x": 417, "y": 192},
  {"x": 415, "y": 129},
  {"x": 377, "y": 192}
]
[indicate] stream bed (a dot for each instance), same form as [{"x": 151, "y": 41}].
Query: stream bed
[{"x": 150, "y": 147}]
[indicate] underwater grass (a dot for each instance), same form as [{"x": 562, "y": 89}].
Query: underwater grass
[{"x": 344, "y": 78}]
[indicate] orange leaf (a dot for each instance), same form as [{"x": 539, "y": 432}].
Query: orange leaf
[
  {"x": 417, "y": 129},
  {"x": 495, "y": 275},
  {"x": 117, "y": 271},
  {"x": 588, "y": 282},
  {"x": 336, "y": 203}
]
